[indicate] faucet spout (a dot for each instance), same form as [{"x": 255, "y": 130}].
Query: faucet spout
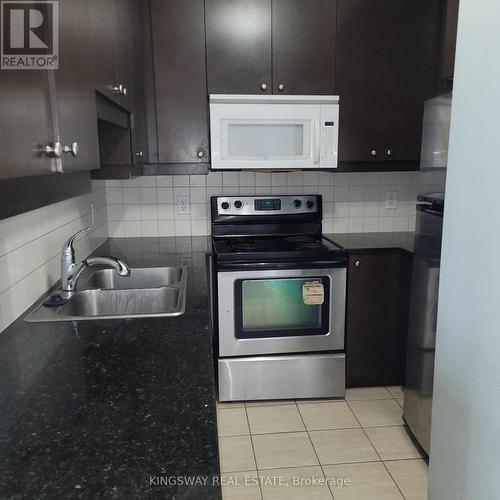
[
  {"x": 118, "y": 265},
  {"x": 71, "y": 271}
]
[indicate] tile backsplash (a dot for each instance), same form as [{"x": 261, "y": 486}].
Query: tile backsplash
[
  {"x": 352, "y": 202},
  {"x": 30, "y": 248}
]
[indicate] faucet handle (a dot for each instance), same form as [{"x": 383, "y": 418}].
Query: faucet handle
[{"x": 68, "y": 249}]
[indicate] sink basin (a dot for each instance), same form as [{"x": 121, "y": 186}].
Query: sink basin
[
  {"x": 147, "y": 292},
  {"x": 147, "y": 277}
]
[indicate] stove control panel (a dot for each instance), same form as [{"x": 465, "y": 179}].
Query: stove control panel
[{"x": 268, "y": 205}]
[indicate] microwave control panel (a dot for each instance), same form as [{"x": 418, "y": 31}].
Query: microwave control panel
[{"x": 329, "y": 136}]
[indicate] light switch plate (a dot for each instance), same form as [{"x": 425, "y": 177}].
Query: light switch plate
[
  {"x": 391, "y": 199},
  {"x": 183, "y": 207}
]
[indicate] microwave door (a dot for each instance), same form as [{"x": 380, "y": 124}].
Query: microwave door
[{"x": 258, "y": 136}]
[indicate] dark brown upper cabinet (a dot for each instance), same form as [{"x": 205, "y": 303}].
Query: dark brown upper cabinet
[
  {"x": 386, "y": 69},
  {"x": 271, "y": 46},
  {"x": 25, "y": 123},
  {"x": 103, "y": 41},
  {"x": 75, "y": 89},
  {"x": 178, "y": 35},
  {"x": 239, "y": 46},
  {"x": 304, "y": 37}
]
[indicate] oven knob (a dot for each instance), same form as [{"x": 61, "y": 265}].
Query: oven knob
[
  {"x": 238, "y": 204},
  {"x": 309, "y": 204},
  {"x": 224, "y": 205},
  {"x": 297, "y": 203}
]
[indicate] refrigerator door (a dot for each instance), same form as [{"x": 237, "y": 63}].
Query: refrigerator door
[{"x": 422, "y": 324}]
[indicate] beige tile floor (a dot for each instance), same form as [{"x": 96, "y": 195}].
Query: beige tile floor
[{"x": 352, "y": 449}]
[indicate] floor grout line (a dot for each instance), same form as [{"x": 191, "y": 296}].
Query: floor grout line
[
  {"x": 314, "y": 449},
  {"x": 376, "y": 451},
  {"x": 253, "y": 451}
]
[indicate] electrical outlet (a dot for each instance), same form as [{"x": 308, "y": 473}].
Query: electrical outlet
[
  {"x": 391, "y": 199},
  {"x": 183, "y": 207}
]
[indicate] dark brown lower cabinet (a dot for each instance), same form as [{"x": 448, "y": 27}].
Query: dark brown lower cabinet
[{"x": 378, "y": 292}]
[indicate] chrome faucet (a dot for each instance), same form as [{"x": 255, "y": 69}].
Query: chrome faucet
[{"x": 71, "y": 271}]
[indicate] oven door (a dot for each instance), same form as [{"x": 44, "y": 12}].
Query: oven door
[{"x": 264, "y": 312}]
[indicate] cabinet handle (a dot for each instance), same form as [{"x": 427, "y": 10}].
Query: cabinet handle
[
  {"x": 357, "y": 263},
  {"x": 139, "y": 154},
  {"x": 389, "y": 152},
  {"x": 374, "y": 152},
  {"x": 263, "y": 86},
  {"x": 281, "y": 87},
  {"x": 53, "y": 150},
  {"x": 119, "y": 89},
  {"x": 73, "y": 149},
  {"x": 200, "y": 153}
]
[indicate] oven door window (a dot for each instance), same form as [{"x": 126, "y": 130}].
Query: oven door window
[{"x": 276, "y": 308}]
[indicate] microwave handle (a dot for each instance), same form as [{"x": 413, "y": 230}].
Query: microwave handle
[{"x": 317, "y": 145}]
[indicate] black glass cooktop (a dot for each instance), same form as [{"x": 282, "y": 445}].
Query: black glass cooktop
[{"x": 275, "y": 247}]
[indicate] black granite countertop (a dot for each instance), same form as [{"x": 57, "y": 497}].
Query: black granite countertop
[
  {"x": 120, "y": 409},
  {"x": 359, "y": 242}
]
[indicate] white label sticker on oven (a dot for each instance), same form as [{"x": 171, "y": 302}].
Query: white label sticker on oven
[{"x": 313, "y": 293}]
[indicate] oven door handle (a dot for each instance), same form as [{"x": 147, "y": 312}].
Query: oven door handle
[{"x": 255, "y": 266}]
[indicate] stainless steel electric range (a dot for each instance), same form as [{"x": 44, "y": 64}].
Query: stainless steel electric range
[{"x": 278, "y": 299}]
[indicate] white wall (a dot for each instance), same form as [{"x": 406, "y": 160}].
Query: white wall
[
  {"x": 465, "y": 443},
  {"x": 351, "y": 202},
  {"x": 30, "y": 248}
]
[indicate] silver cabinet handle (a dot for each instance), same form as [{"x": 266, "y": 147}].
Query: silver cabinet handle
[
  {"x": 263, "y": 86},
  {"x": 389, "y": 152},
  {"x": 200, "y": 153},
  {"x": 139, "y": 154},
  {"x": 73, "y": 149},
  {"x": 119, "y": 89},
  {"x": 281, "y": 87},
  {"x": 357, "y": 263},
  {"x": 53, "y": 150},
  {"x": 374, "y": 152}
]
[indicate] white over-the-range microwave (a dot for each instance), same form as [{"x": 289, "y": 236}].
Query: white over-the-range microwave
[{"x": 274, "y": 132}]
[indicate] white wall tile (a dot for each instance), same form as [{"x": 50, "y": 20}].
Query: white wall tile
[
  {"x": 247, "y": 179},
  {"x": 197, "y": 194},
  {"x": 130, "y": 195},
  {"x": 346, "y": 196},
  {"x": 30, "y": 246},
  {"x": 164, "y": 181},
  {"x": 197, "y": 180},
  {"x": 181, "y": 180},
  {"x": 230, "y": 179}
]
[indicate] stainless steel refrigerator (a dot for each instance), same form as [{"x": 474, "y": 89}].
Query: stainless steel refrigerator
[{"x": 419, "y": 379}]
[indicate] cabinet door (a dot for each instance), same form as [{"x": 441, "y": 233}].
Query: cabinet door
[
  {"x": 239, "y": 46},
  {"x": 103, "y": 42},
  {"x": 75, "y": 87},
  {"x": 131, "y": 68},
  {"x": 377, "y": 318},
  {"x": 360, "y": 79},
  {"x": 411, "y": 37},
  {"x": 180, "y": 79},
  {"x": 25, "y": 123},
  {"x": 304, "y": 37}
]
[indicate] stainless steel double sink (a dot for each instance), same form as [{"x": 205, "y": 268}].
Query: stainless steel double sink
[{"x": 147, "y": 292}]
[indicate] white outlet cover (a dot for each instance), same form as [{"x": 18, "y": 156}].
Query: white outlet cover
[
  {"x": 391, "y": 199},
  {"x": 183, "y": 207}
]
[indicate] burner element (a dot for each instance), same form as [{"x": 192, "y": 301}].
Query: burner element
[{"x": 246, "y": 245}]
